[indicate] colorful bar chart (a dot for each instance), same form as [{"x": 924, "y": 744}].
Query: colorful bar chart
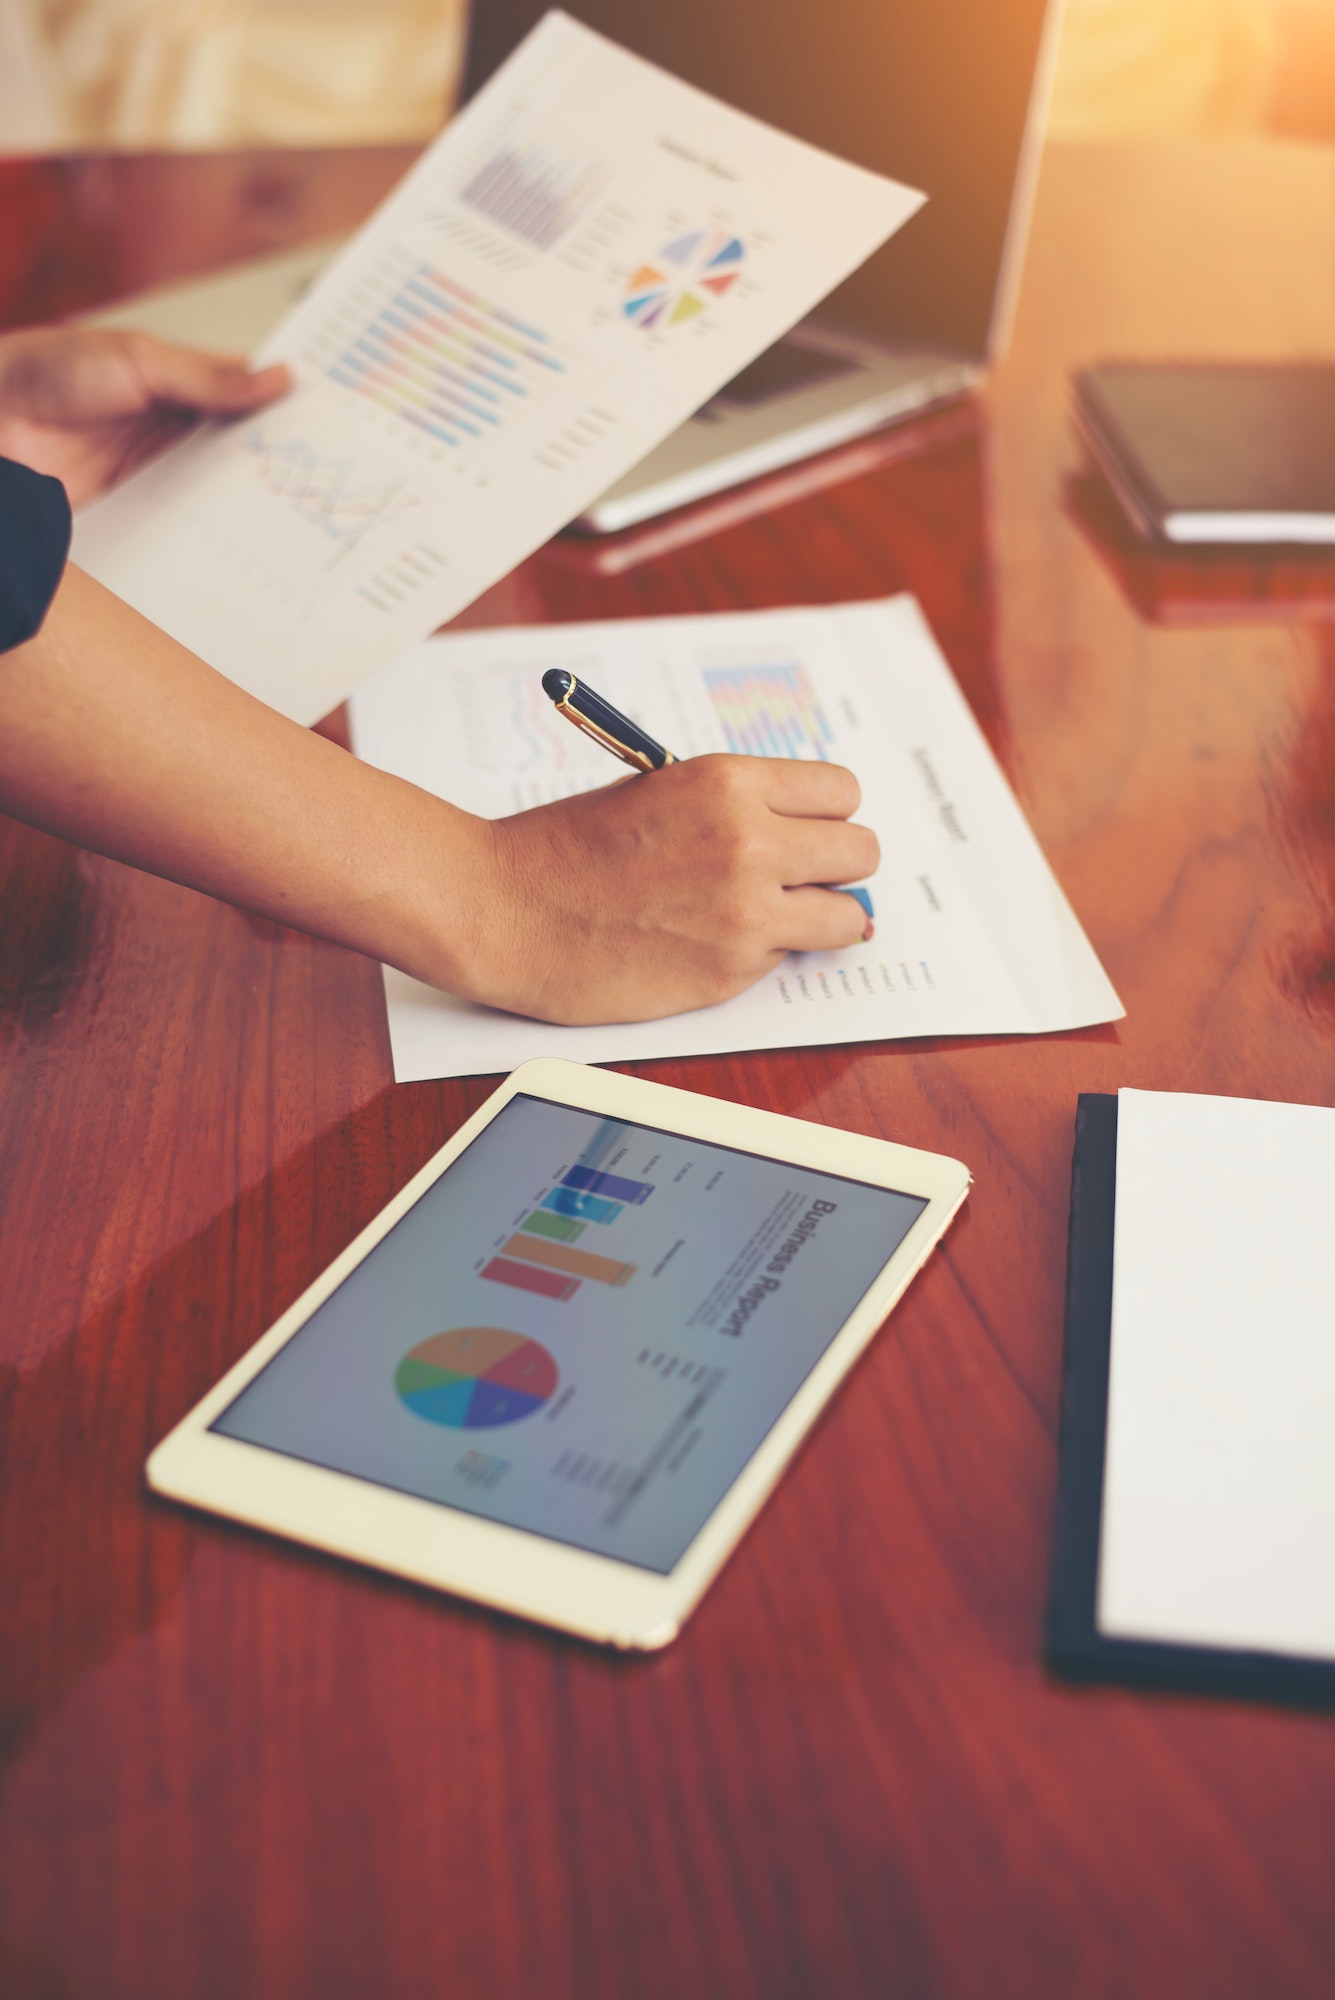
[
  {"x": 442, "y": 359},
  {"x": 531, "y": 194},
  {"x": 541, "y": 1257},
  {"x": 589, "y": 1180},
  {"x": 587, "y": 1207},
  {"x": 529, "y": 1278},
  {"x": 576, "y": 1263},
  {"x": 561, "y": 1228},
  {"x": 769, "y": 711}
]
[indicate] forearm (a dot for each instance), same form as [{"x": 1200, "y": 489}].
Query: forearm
[
  {"x": 649, "y": 897},
  {"x": 114, "y": 736}
]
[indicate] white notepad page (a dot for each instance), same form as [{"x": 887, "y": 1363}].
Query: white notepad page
[
  {"x": 586, "y": 254},
  {"x": 1219, "y": 1485},
  {"x": 973, "y": 933}
]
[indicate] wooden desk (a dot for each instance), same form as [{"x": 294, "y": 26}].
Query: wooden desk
[{"x": 237, "y": 1770}]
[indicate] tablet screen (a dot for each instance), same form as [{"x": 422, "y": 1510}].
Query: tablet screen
[{"x": 584, "y": 1328}]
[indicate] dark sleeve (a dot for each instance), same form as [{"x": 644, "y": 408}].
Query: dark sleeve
[{"x": 34, "y": 542}]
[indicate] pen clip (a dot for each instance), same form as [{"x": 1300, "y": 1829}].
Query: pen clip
[{"x": 637, "y": 759}]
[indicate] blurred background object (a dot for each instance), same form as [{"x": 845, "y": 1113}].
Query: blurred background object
[
  {"x": 191, "y": 75},
  {"x": 144, "y": 75},
  {"x": 1155, "y": 68}
]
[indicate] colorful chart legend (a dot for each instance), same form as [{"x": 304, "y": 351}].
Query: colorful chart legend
[
  {"x": 769, "y": 711},
  {"x": 475, "y": 1377},
  {"x": 444, "y": 360},
  {"x": 687, "y": 276}
]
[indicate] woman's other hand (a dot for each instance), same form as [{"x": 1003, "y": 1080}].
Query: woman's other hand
[{"x": 87, "y": 404}]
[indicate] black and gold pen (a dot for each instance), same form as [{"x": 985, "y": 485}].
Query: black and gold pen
[
  {"x": 578, "y": 703},
  {"x": 606, "y": 725}
]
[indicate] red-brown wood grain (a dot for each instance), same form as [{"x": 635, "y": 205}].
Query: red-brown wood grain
[
  {"x": 76, "y": 231},
  {"x": 234, "y": 1771}
]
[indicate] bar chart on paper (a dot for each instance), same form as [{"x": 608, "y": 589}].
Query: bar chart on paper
[
  {"x": 532, "y": 194},
  {"x": 423, "y": 352},
  {"x": 435, "y": 354},
  {"x": 769, "y": 711}
]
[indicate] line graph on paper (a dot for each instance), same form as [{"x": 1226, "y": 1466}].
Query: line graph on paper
[
  {"x": 298, "y": 520},
  {"x": 327, "y": 493},
  {"x": 517, "y": 750}
]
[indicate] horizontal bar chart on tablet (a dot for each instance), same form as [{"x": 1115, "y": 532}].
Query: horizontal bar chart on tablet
[
  {"x": 590, "y": 1180},
  {"x": 561, "y": 1228},
  {"x": 588, "y": 1207},
  {"x": 528, "y": 1278},
  {"x": 578, "y": 1263}
]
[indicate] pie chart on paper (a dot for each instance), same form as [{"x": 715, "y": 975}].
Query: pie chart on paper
[
  {"x": 685, "y": 278},
  {"x": 475, "y": 1377}
]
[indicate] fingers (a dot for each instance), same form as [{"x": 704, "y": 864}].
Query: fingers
[
  {"x": 713, "y": 885},
  {"x": 799, "y": 790},
  {"x": 192, "y": 380},
  {"x": 822, "y": 920},
  {"x": 825, "y": 850},
  {"x": 767, "y": 829}
]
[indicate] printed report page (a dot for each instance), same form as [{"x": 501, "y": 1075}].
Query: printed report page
[
  {"x": 587, "y": 253},
  {"x": 973, "y": 934}
]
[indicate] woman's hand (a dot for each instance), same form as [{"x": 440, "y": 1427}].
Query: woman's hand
[
  {"x": 670, "y": 891},
  {"x": 87, "y": 404},
  {"x": 645, "y": 898}
]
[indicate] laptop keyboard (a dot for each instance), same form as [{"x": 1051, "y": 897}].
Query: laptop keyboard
[{"x": 777, "y": 372}]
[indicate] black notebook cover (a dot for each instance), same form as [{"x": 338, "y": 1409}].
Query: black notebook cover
[
  {"x": 1212, "y": 451},
  {"x": 1075, "y": 1647}
]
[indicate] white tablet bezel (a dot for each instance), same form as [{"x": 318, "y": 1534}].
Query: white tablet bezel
[{"x": 598, "y": 1597}]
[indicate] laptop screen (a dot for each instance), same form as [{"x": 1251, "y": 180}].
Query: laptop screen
[{"x": 932, "y": 92}]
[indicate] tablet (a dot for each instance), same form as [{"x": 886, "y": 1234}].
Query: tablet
[{"x": 563, "y": 1369}]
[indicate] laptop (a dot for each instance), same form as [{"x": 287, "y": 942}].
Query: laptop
[{"x": 948, "y": 95}]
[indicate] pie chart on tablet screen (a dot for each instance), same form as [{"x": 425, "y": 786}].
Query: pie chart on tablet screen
[
  {"x": 475, "y": 1377},
  {"x": 686, "y": 277}
]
